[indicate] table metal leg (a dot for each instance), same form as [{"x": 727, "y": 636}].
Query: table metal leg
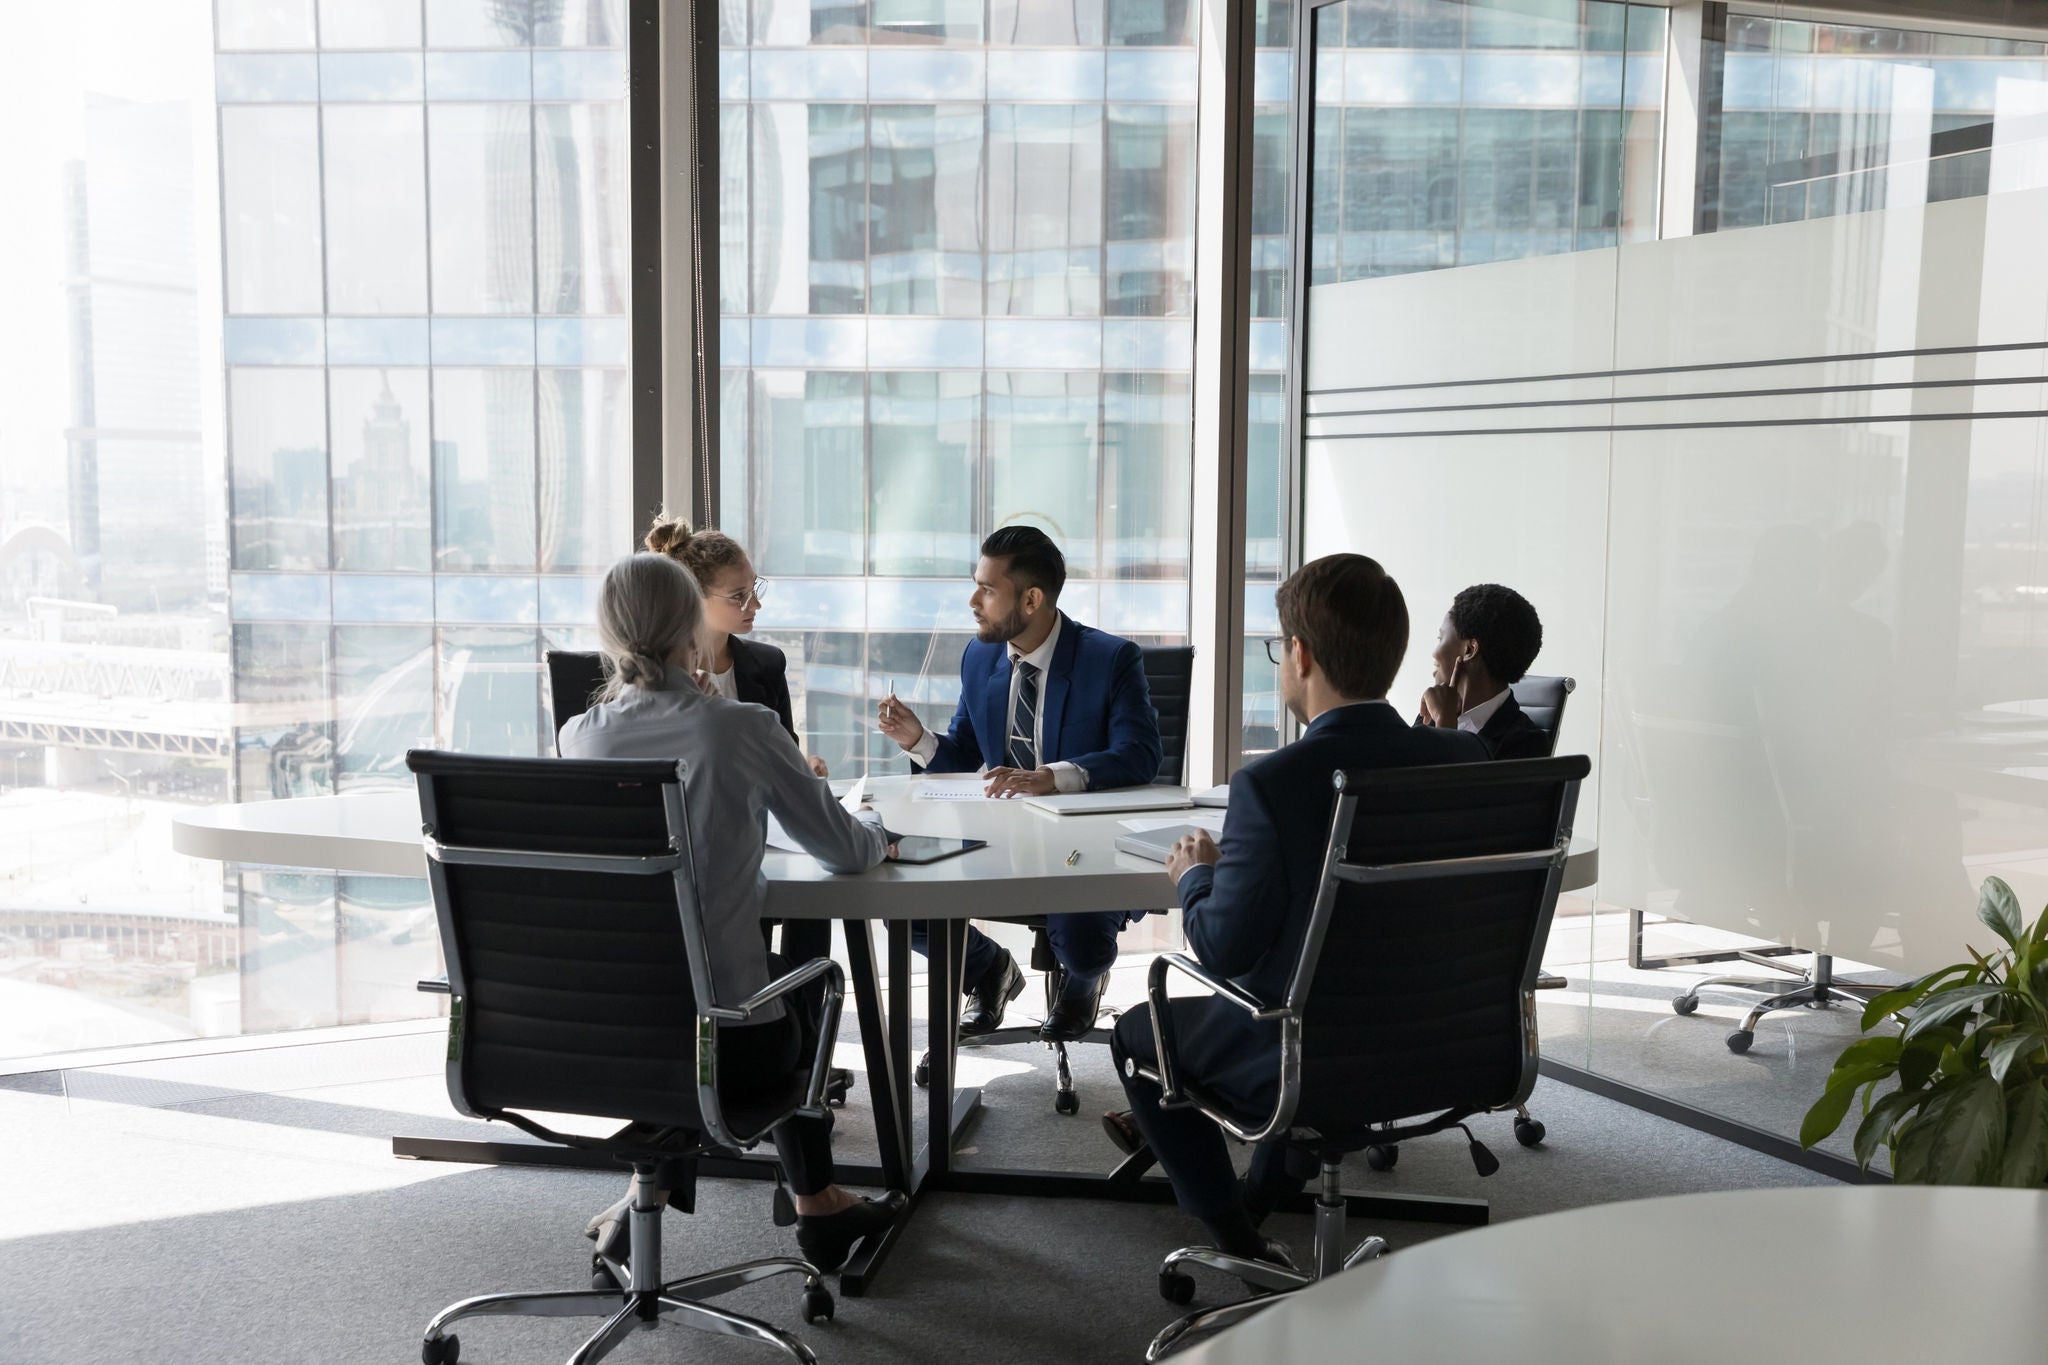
[
  {"x": 892, "y": 1135},
  {"x": 946, "y": 944}
]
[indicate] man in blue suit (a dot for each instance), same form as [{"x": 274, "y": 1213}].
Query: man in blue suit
[
  {"x": 1046, "y": 705},
  {"x": 1245, "y": 906}
]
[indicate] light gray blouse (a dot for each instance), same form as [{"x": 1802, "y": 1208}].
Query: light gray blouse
[{"x": 741, "y": 766}]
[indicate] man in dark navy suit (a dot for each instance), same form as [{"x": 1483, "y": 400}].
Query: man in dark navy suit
[
  {"x": 1047, "y": 705},
  {"x": 1246, "y": 905},
  {"x": 1484, "y": 647}
]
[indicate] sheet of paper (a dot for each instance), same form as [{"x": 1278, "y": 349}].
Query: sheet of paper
[
  {"x": 778, "y": 837},
  {"x": 854, "y": 797},
  {"x": 949, "y": 791},
  {"x": 1211, "y": 820}
]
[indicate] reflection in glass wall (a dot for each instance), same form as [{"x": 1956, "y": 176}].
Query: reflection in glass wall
[
  {"x": 1822, "y": 119},
  {"x": 956, "y": 256},
  {"x": 1775, "y": 493}
]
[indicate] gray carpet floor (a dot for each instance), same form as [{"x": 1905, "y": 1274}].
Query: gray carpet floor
[{"x": 245, "y": 1208}]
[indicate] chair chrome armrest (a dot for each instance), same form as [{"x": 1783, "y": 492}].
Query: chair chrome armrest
[
  {"x": 1163, "y": 1039},
  {"x": 821, "y": 1062}
]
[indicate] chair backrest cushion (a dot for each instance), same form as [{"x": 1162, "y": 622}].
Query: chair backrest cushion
[
  {"x": 1542, "y": 700},
  {"x": 1170, "y": 674},
  {"x": 1415, "y": 1004},
  {"x": 575, "y": 677},
  {"x": 574, "y": 986}
]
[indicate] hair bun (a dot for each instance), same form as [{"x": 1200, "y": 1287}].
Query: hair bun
[{"x": 667, "y": 535}]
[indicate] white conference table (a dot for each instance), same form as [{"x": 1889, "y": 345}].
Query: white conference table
[
  {"x": 1025, "y": 870},
  {"x": 1845, "y": 1272}
]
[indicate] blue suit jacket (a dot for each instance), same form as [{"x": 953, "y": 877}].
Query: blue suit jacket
[
  {"x": 1245, "y": 918},
  {"x": 1096, "y": 710}
]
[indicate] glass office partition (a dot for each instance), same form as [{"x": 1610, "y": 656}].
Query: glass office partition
[
  {"x": 956, "y": 274},
  {"x": 1745, "y": 395}
]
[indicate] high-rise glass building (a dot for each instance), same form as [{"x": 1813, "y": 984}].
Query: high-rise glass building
[{"x": 424, "y": 235}]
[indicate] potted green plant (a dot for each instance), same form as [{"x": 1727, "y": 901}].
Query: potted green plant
[{"x": 1971, "y": 1103}]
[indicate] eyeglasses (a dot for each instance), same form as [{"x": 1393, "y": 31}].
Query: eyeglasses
[
  {"x": 1275, "y": 646},
  {"x": 758, "y": 595}
]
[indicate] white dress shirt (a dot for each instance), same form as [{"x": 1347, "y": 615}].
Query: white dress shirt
[
  {"x": 1474, "y": 720},
  {"x": 741, "y": 765},
  {"x": 1066, "y": 777}
]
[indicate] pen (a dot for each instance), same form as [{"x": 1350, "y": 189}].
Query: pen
[{"x": 1073, "y": 857}]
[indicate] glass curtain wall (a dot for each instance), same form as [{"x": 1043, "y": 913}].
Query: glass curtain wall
[
  {"x": 957, "y": 246},
  {"x": 1746, "y": 437},
  {"x": 335, "y": 447}
]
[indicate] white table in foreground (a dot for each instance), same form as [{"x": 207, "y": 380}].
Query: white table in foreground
[
  {"x": 1850, "y": 1272},
  {"x": 1023, "y": 871}
]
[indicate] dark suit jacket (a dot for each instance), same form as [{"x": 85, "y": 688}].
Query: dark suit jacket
[
  {"x": 760, "y": 675},
  {"x": 1096, "y": 710},
  {"x": 1509, "y": 733},
  {"x": 1246, "y": 916}
]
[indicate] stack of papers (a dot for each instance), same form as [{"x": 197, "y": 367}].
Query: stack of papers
[
  {"x": 1211, "y": 820},
  {"x": 969, "y": 789}
]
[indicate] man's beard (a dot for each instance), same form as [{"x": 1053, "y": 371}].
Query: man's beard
[{"x": 1003, "y": 631}]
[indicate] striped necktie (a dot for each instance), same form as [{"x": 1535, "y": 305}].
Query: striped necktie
[{"x": 1024, "y": 718}]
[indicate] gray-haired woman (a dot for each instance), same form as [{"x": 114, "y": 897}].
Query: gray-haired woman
[{"x": 741, "y": 765}]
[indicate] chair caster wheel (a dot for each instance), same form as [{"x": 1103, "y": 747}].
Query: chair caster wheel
[
  {"x": 817, "y": 1305},
  {"x": 837, "y": 1087},
  {"x": 441, "y": 1350},
  {"x": 1067, "y": 1102},
  {"x": 1685, "y": 1004},
  {"x": 922, "y": 1074},
  {"x": 1740, "y": 1040},
  {"x": 1175, "y": 1287},
  {"x": 601, "y": 1277},
  {"x": 1382, "y": 1156},
  {"x": 1530, "y": 1132}
]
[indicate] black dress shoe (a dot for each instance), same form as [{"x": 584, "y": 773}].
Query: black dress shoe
[
  {"x": 827, "y": 1241},
  {"x": 838, "y": 1081},
  {"x": 1073, "y": 1014},
  {"x": 1001, "y": 984}
]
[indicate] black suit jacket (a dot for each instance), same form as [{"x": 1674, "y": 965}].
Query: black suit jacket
[
  {"x": 1509, "y": 733},
  {"x": 1245, "y": 917},
  {"x": 760, "y": 675}
]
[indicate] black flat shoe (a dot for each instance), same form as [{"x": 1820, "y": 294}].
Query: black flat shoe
[
  {"x": 1123, "y": 1131},
  {"x": 1002, "y": 983},
  {"x": 827, "y": 1241}
]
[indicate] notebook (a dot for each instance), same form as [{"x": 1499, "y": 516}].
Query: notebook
[
  {"x": 1154, "y": 843},
  {"x": 1102, "y": 803}
]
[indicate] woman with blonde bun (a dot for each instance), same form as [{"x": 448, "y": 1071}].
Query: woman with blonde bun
[
  {"x": 741, "y": 769},
  {"x": 729, "y": 665}
]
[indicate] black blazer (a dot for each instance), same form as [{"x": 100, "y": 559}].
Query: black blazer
[
  {"x": 1246, "y": 916},
  {"x": 760, "y": 675},
  {"x": 1509, "y": 733}
]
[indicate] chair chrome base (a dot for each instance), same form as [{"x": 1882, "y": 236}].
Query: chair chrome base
[
  {"x": 1267, "y": 1281},
  {"x": 1816, "y": 988},
  {"x": 1065, "y": 1099},
  {"x": 644, "y": 1300}
]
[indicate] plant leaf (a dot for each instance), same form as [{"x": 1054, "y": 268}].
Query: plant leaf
[
  {"x": 1923, "y": 1054},
  {"x": 2026, "y": 1138},
  {"x": 1833, "y": 1106},
  {"x": 1999, "y": 908},
  {"x": 1910, "y": 1146},
  {"x": 1885, "y": 1048},
  {"x": 1882, "y": 1118},
  {"x": 1969, "y": 1136},
  {"x": 1947, "y": 1005},
  {"x": 2002, "y": 1054},
  {"x": 1896, "y": 999}
]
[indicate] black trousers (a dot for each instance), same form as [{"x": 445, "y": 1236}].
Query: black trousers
[
  {"x": 802, "y": 940},
  {"x": 772, "y": 1051},
  {"x": 1083, "y": 941},
  {"x": 1192, "y": 1150}
]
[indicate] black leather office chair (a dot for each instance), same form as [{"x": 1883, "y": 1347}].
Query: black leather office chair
[
  {"x": 566, "y": 895},
  {"x": 1542, "y": 701},
  {"x": 575, "y": 677},
  {"x": 1407, "y": 1011},
  {"x": 1169, "y": 677}
]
